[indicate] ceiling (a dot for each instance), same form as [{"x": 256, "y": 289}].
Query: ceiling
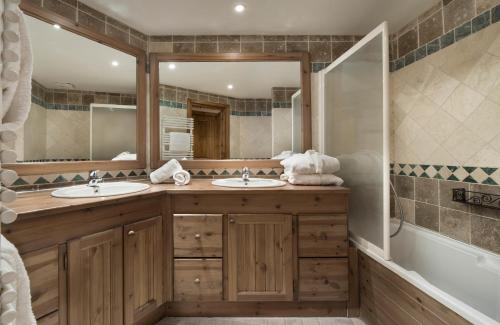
[
  {"x": 291, "y": 17},
  {"x": 63, "y": 57},
  {"x": 249, "y": 79}
]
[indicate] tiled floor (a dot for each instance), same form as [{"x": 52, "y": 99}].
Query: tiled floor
[{"x": 259, "y": 321}]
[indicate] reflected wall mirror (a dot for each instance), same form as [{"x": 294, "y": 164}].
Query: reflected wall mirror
[
  {"x": 229, "y": 110},
  {"x": 88, "y": 102}
]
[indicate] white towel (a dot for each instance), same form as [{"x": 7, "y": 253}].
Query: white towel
[
  {"x": 318, "y": 179},
  {"x": 180, "y": 141},
  {"x": 166, "y": 171},
  {"x": 18, "y": 311},
  {"x": 283, "y": 155},
  {"x": 310, "y": 162},
  {"x": 125, "y": 156},
  {"x": 182, "y": 177},
  {"x": 16, "y": 79}
]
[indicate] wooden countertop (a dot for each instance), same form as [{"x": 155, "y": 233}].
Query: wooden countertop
[{"x": 29, "y": 204}]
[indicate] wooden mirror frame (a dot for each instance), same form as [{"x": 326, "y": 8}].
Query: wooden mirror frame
[
  {"x": 79, "y": 166},
  {"x": 156, "y": 58}
]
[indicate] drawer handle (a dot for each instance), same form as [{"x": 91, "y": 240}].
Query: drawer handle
[
  {"x": 131, "y": 233},
  {"x": 231, "y": 221},
  {"x": 197, "y": 236},
  {"x": 197, "y": 280}
]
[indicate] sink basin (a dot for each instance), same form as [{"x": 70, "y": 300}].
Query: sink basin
[
  {"x": 105, "y": 189},
  {"x": 252, "y": 183}
]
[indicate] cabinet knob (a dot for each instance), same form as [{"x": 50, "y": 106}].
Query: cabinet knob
[
  {"x": 197, "y": 280},
  {"x": 131, "y": 233},
  {"x": 197, "y": 236},
  {"x": 231, "y": 221}
]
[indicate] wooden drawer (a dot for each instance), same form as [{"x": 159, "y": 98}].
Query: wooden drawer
[
  {"x": 43, "y": 271},
  {"x": 198, "y": 235},
  {"x": 198, "y": 280},
  {"x": 323, "y": 279},
  {"x": 323, "y": 236}
]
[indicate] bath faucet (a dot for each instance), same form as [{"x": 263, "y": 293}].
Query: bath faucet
[
  {"x": 94, "y": 180},
  {"x": 245, "y": 174}
]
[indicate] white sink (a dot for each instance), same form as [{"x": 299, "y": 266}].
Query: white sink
[
  {"x": 105, "y": 189},
  {"x": 253, "y": 182}
]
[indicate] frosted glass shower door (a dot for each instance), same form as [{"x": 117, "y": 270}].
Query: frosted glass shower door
[{"x": 354, "y": 127}]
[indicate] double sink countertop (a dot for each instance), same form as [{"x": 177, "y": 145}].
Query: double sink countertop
[{"x": 40, "y": 203}]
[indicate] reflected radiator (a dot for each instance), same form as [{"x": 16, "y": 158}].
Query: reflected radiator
[{"x": 170, "y": 126}]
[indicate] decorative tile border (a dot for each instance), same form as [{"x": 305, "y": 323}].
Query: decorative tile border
[
  {"x": 232, "y": 172},
  {"x": 467, "y": 174},
  {"x": 466, "y": 29},
  {"x": 177, "y": 105}
]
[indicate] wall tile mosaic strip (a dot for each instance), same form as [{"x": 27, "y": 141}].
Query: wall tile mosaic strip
[
  {"x": 94, "y": 20},
  {"x": 176, "y": 97},
  {"x": 460, "y": 30},
  {"x": 428, "y": 203},
  {"x": 75, "y": 100},
  {"x": 467, "y": 174}
]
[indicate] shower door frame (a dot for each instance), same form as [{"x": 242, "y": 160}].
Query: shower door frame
[{"x": 382, "y": 29}]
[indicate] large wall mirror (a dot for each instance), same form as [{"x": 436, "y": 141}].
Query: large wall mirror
[
  {"x": 242, "y": 109},
  {"x": 88, "y": 106}
]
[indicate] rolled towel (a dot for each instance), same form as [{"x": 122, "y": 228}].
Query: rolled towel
[
  {"x": 319, "y": 179},
  {"x": 310, "y": 162},
  {"x": 166, "y": 171},
  {"x": 7, "y": 273},
  {"x": 8, "y": 313},
  {"x": 9, "y": 293},
  {"x": 182, "y": 177}
]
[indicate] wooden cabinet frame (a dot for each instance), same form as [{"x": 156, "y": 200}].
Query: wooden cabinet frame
[
  {"x": 77, "y": 166},
  {"x": 156, "y": 58}
]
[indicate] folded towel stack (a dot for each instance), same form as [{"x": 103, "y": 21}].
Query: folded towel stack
[
  {"x": 172, "y": 169},
  {"x": 311, "y": 168},
  {"x": 15, "y": 302}
]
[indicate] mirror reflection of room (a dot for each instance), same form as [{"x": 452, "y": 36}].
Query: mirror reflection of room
[
  {"x": 229, "y": 110},
  {"x": 83, "y": 99}
]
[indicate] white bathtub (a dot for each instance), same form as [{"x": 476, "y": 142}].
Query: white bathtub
[{"x": 463, "y": 278}]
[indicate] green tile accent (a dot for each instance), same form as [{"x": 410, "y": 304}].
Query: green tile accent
[
  {"x": 78, "y": 178},
  {"x": 237, "y": 172},
  {"x": 438, "y": 176},
  {"x": 201, "y": 173},
  {"x": 413, "y": 165},
  {"x": 260, "y": 173},
  {"x": 424, "y": 175},
  {"x": 225, "y": 173},
  {"x": 213, "y": 173},
  {"x": 409, "y": 58},
  {"x": 489, "y": 181},
  {"x": 453, "y": 178},
  {"x": 120, "y": 174},
  {"x": 60, "y": 179},
  {"x": 143, "y": 173},
  {"x": 415, "y": 175},
  {"x": 447, "y": 39},
  {"x": 421, "y": 53},
  {"x": 495, "y": 14},
  {"x": 272, "y": 172},
  {"x": 489, "y": 170},
  {"x": 437, "y": 167},
  {"x": 19, "y": 182},
  {"x": 469, "y": 179},
  {"x": 132, "y": 174},
  {"x": 433, "y": 46},
  {"x": 481, "y": 21},
  {"x": 463, "y": 31},
  {"x": 452, "y": 168},
  {"x": 107, "y": 175},
  {"x": 470, "y": 169},
  {"x": 41, "y": 181}
]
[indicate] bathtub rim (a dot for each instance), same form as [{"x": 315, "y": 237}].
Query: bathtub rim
[{"x": 461, "y": 308}]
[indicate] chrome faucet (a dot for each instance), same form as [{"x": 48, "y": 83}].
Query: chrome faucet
[
  {"x": 245, "y": 174},
  {"x": 94, "y": 180}
]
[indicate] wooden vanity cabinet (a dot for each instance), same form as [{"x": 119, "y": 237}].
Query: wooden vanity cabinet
[
  {"x": 143, "y": 268},
  {"x": 260, "y": 258},
  {"x": 95, "y": 268}
]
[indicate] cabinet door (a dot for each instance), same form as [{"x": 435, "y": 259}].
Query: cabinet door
[
  {"x": 260, "y": 258},
  {"x": 95, "y": 272},
  {"x": 143, "y": 268}
]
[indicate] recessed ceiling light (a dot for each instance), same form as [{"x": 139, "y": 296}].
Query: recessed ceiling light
[
  {"x": 172, "y": 66},
  {"x": 230, "y": 86},
  {"x": 57, "y": 26},
  {"x": 114, "y": 63},
  {"x": 239, "y": 8}
]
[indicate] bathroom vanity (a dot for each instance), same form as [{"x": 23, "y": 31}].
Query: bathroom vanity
[{"x": 193, "y": 250}]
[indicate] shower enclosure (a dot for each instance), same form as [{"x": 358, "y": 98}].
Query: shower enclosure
[{"x": 354, "y": 127}]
